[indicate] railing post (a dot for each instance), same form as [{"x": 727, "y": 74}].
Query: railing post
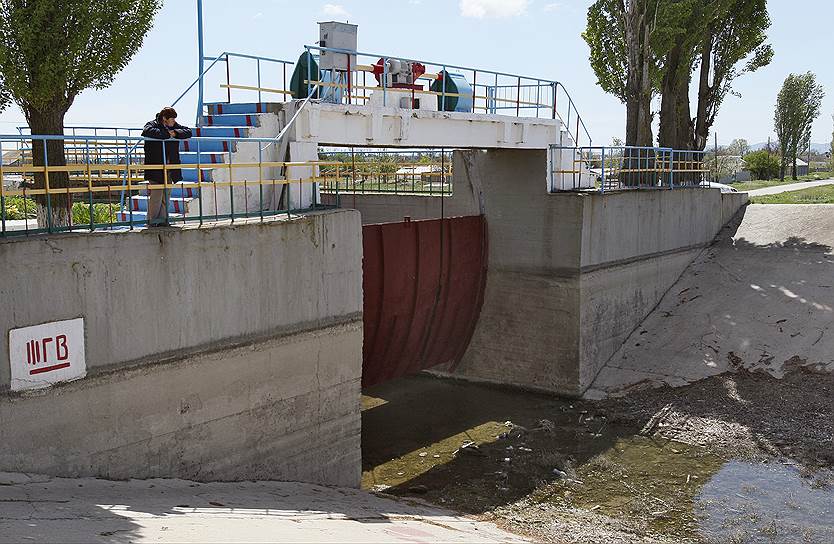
[
  {"x": 46, "y": 186},
  {"x": 384, "y": 81},
  {"x": 128, "y": 183},
  {"x": 602, "y": 168},
  {"x": 443, "y": 88},
  {"x": 258, "y": 63},
  {"x": 200, "y": 63},
  {"x": 228, "y": 80},
  {"x": 518, "y": 97},
  {"x": 3, "y": 196},
  {"x": 90, "y": 181}
]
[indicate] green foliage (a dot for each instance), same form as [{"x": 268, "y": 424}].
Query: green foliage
[
  {"x": 724, "y": 38},
  {"x": 762, "y": 165},
  {"x": 52, "y": 50},
  {"x": 18, "y": 208},
  {"x": 814, "y": 195},
  {"x": 102, "y": 213},
  {"x": 797, "y": 107},
  {"x": 605, "y": 36}
]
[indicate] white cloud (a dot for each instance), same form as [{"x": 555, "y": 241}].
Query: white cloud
[
  {"x": 337, "y": 11},
  {"x": 493, "y": 9},
  {"x": 554, "y": 6}
]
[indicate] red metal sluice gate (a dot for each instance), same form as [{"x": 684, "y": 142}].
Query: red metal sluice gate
[{"x": 424, "y": 283}]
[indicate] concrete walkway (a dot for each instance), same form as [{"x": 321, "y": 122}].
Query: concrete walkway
[
  {"x": 776, "y": 189},
  {"x": 43, "y": 509},
  {"x": 761, "y": 298}
]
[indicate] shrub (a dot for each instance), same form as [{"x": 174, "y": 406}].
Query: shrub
[
  {"x": 102, "y": 213},
  {"x": 762, "y": 164},
  {"x": 18, "y": 208}
]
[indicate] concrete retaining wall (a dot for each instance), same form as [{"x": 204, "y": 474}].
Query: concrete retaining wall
[{"x": 213, "y": 354}]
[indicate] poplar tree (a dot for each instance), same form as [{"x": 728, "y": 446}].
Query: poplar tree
[
  {"x": 797, "y": 107},
  {"x": 51, "y": 51}
]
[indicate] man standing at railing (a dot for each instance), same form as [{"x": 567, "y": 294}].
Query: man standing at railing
[{"x": 164, "y": 127}]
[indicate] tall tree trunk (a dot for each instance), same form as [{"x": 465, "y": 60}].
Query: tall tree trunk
[
  {"x": 54, "y": 210},
  {"x": 638, "y": 90},
  {"x": 669, "y": 118},
  {"x": 703, "y": 122}
]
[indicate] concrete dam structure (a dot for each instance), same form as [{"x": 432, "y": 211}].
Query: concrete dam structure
[{"x": 234, "y": 346}]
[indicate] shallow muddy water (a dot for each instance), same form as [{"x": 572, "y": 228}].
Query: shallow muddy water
[{"x": 535, "y": 460}]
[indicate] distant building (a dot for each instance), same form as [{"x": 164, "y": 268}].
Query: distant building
[{"x": 801, "y": 168}]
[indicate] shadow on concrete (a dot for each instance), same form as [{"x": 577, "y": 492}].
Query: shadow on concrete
[
  {"x": 90, "y": 510},
  {"x": 760, "y": 298}
]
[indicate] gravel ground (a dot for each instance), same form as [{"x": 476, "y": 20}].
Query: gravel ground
[{"x": 626, "y": 470}]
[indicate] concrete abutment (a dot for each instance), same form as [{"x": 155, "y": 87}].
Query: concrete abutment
[{"x": 213, "y": 354}]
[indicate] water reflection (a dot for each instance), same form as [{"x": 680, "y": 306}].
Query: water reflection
[{"x": 765, "y": 503}]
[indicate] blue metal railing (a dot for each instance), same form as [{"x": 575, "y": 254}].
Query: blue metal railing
[
  {"x": 606, "y": 168},
  {"x": 88, "y": 189}
]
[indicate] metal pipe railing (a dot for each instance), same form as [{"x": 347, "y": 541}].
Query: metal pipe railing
[{"x": 606, "y": 168}]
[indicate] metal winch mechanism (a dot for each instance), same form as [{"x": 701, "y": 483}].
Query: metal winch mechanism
[
  {"x": 399, "y": 78},
  {"x": 329, "y": 77}
]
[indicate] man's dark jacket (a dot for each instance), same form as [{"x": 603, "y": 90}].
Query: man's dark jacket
[{"x": 153, "y": 150}]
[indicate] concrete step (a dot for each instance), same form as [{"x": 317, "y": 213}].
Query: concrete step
[
  {"x": 190, "y": 174},
  {"x": 175, "y": 204},
  {"x": 203, "y": 158},
  {"x": 213, "y": 146},
  {"x": 232, "y": 120},
  {"x": 222, "y": 108},
  {"x": 141, "y": 218},
  {"x": 178, "y": 190},
  {"x": 221, "y": 132}
]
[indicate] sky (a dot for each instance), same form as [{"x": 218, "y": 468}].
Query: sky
[{"x": 538, "y": 38}]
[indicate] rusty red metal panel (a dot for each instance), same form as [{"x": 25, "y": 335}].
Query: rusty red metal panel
[{"x": 424, "y": 283}]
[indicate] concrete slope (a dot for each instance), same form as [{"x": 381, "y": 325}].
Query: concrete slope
[
  {"x": 759, "y": 298},
  {"x": 41, "y": 509}
]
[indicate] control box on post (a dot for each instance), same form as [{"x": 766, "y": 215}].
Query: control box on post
[{"x": 334, "y": 35}]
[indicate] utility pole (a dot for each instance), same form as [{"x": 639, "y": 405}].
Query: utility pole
[
  {"x": 716, "y": 157},
  {"x": 200, "y": 62}
]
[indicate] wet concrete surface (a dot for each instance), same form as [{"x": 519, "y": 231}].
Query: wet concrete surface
[{"x": 615, "y": 471}]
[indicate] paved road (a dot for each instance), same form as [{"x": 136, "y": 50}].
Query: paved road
[
  {"x": 43, "y": 509},
  {"x": 761, "y": 298},
  {"x": 775, "y": 190}
]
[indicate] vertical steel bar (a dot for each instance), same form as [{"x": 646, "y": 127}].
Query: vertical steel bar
[
  {"x": 384, "y": 82},
  {"x": 518, "y": 98},
  {"x": 3, "y": 197},
  {"x": 261, "y": 182},
  {"x": 200, "y": 63},
  {"x": 228, "y": 80},
  {"x": 602, "y": 184},
  {"x": 258, "y": 61},
  {"x": 199, "y": 181},
  {"x": 164, "y": 183},
  {"x": 46, "y": 186},
  {"x": 90, "y": 183},
  {"x": 129, "y": 186},
  {"x": 231, "y": 186}
]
